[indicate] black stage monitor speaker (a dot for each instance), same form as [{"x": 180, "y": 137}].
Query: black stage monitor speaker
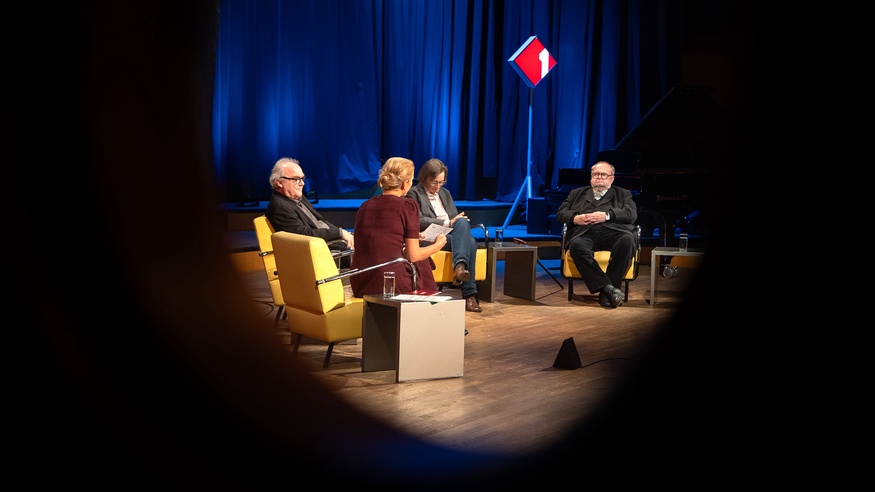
[
  {"x": 536, "y": 216},
  {"x": 567, "y": 358}
]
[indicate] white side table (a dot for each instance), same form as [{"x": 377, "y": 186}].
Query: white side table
[{"x": 416, "y": 339}]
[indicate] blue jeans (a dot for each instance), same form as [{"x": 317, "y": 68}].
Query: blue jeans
[{"x": 464, "y": 249}]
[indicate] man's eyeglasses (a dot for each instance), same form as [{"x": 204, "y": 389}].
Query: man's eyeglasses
[
  {"x": 601, "y": 175},
  {"x": 294, "y": 180},
  {"x": 439, "y": 183}
]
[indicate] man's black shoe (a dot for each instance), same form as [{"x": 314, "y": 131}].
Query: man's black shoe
[
  {"x": 617, "y": 298},
  {"x": 614, "y": 300}
]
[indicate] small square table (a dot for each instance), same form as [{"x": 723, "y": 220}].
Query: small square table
[
  {"x": 416, "y": 339},
  {"x": 654, "y": 264},
  {"x": 520, "y": 262}
]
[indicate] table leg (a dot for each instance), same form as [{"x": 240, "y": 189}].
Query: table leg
[
  {"x": 486, "y": 288},
  {"x": 519, "y": 272},
  {"x": 654, "y": 273}
]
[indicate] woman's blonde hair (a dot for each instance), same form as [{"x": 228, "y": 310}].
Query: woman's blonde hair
[{"x": 395, "y": 172}]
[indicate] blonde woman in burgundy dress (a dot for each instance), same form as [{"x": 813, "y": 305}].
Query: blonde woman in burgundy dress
[{"x": 387, "y": 228}]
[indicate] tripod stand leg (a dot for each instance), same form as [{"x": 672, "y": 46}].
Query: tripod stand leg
[
  {"x": 516, "y": 202},
  {"x": 551, "y": 275}
]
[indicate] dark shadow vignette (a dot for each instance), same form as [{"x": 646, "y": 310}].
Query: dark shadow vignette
[{"x": 142, "y": 361}]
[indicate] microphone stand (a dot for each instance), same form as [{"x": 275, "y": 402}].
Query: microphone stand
[{"x": 356, "y": 271}]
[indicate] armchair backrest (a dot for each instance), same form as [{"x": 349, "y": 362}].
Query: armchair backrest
[
  {"x": 301, "y": 261},
  {"x": 263, "y": 231}
]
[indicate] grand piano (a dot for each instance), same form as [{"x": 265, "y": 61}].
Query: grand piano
[{"x": 669, "y": 161}]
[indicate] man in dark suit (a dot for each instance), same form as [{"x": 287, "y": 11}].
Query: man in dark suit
[
  {"x": 289, "y": 210},
  {"x": 600, "y": 218}
]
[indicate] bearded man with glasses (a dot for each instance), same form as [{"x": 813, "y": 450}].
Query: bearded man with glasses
[
  {"x": 289, "y": 210},
  {"x": 600, "y": 218}
]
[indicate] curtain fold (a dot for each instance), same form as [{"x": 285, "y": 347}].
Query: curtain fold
[{"x": 342, "y": 85}]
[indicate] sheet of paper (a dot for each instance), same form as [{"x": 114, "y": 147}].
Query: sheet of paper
[
  {"x": 433, "y": 230},
  {"x": 415, "y": 297}
]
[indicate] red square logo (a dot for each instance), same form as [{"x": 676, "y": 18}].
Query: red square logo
[{"x": 532, "y": 61}]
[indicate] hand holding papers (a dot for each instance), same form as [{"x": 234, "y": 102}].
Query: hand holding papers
[{"x": 433, "y": 230}]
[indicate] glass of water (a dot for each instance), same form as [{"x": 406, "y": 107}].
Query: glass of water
[
  {"x": 499, "y": 237},
  {"x": 388, "y": 284}
]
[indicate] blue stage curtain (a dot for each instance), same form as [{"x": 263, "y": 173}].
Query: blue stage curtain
[{"x": 342, "y": 85}]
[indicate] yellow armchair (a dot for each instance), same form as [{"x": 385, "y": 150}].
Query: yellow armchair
[
  {"x": 443, "y": 263},
  {"x": 263, "y": 231},
  {"x": 443, "y": 266},
  {"x": 569, "y": 270},
  {"x": 314, "y": 309}
]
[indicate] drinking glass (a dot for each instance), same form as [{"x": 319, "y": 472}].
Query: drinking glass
[{"x": 388, "y": 284}]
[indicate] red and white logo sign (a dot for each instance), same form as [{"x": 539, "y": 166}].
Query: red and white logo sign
[{"x": 532, "y": 61}]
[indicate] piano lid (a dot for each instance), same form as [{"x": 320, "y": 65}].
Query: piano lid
[{"x": 685, "y": 129}]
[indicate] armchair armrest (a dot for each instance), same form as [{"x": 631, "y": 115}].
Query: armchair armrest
[
  {"x": 341, "y": 254},
  {"x": 485, "y": 233},
  {"x": 564, "y": 231},
  {"x": 356, "y": 271},
  {"x": 334, "y": 254}
]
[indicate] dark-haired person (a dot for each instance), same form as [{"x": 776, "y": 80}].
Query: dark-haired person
[{"x": 436, "y": 206}]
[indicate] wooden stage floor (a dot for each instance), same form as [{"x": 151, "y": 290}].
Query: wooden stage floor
[{"x": 511, "y": 400}]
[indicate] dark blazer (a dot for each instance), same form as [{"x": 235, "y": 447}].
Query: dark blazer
[
  {"x": 427, "y": 215},
  {"x": 617, "y": 202},
  {"x": 285, "y": 215}
]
